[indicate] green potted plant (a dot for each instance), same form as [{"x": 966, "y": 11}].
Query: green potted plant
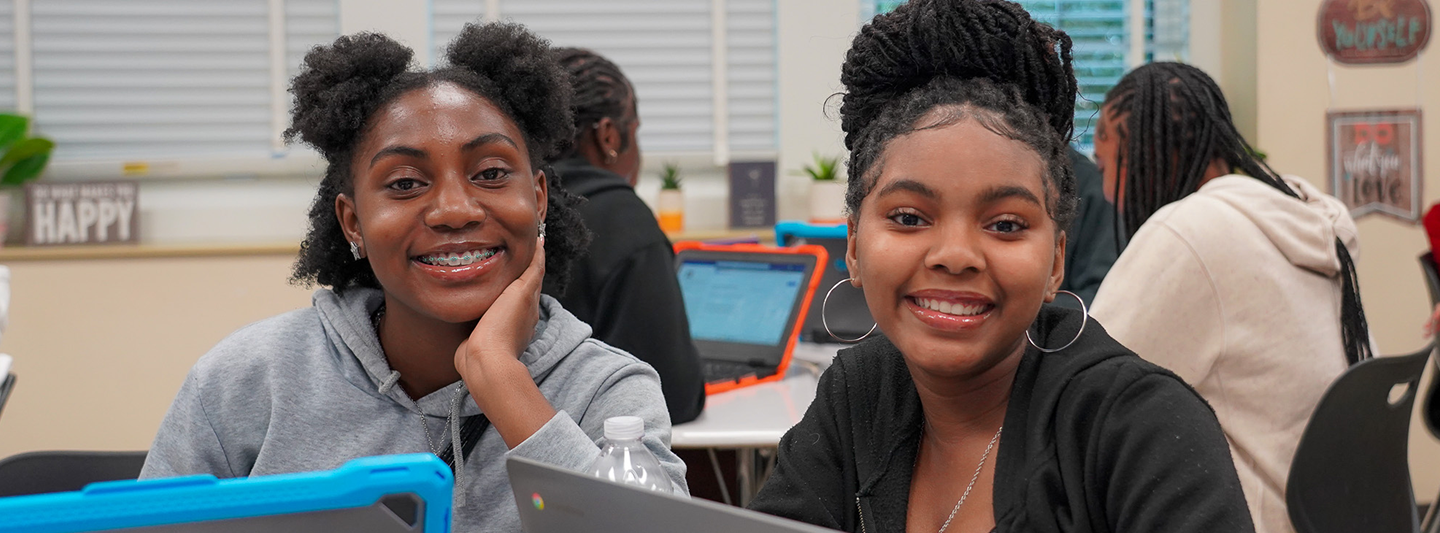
[
  {"x": 22, "y": 158},
  {"x": 671, "y": 204},
  {"x": 827, "y": 190}
]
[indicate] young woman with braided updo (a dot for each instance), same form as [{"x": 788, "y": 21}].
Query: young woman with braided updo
[
  {"x": 433, "y": 228},
  {"x": 978, "y": 407},
  {"x": 1235, "y": 277}
]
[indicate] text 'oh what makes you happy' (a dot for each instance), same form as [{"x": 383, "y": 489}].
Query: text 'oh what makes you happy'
[{"x": 81, "y": 213}]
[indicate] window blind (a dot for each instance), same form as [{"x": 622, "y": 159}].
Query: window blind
[
  {"x": 7, "y": 57},
  {"x": 1098, "y": 29},
  {"x": 752, "y": 76},
  {"x": 308, "y": 23},
  {"x": 665, "y": 48},
  {"x": 126, "y": 79}
]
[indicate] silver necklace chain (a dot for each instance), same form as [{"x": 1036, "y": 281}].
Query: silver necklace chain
[
  {"x": 425, "y": 427},
  {"x": 973, "y": 478}
]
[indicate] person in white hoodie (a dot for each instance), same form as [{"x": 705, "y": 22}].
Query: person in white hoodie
[
  {"x": 1242, "y": 284},
  {"x": 430, "y": 231}
]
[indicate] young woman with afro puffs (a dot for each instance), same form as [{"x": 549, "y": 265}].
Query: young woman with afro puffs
[
  {"x": 432, "y": 231},
  {"x": 979, "y": 407}
]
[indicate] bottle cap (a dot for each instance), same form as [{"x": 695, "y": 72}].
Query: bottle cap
[{"x": 624, "y": 427}]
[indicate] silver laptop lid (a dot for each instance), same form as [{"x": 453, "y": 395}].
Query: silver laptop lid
[{"x": 555, "y": 500}]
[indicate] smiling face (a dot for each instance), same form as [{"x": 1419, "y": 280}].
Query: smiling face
[
  {"x": 955, "y": 248},
  {"x": 443, "y": 203}
]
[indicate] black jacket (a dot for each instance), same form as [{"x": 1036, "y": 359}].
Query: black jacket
[
  {"x": 1090, "y": 247},
  {"x": 626, "y": 289},
  {"x": 1096, "y": 440}
]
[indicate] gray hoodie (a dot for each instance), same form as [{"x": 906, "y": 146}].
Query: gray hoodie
[{"x": 311, "y": 389}]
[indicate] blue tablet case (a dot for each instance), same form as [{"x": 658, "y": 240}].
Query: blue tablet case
[
  {"x": 393, "y": 493},
  {"x": 849, "y": 316}
]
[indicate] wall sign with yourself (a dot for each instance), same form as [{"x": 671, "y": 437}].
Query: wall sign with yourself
[{"x": 1373, "y": 31}]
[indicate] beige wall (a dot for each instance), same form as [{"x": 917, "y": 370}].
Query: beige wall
[
  {"x": 1293, "y": 94},
  {"x": 101, "y": 346}
]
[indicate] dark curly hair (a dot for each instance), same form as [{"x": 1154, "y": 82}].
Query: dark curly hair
[
  {"x": 342, "y": 85},
  {"x": 931, "y": 63}
]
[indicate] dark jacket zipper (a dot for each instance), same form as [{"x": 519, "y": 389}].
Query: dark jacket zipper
[{"x": 862, "y": 513}]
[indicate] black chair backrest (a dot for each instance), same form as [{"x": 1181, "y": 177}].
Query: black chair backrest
[
  {"x": 1430, "y": 406},
  {"x": 42, "y": 472},
  {"x": 1351, "y": 472},
  {"x": 1432, "y": 276}
]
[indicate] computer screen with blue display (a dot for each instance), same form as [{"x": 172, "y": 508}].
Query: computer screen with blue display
[{"x": 738, "y": 301}]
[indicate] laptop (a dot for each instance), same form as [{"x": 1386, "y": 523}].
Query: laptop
[
  {"x": 554, "y": 500},
  {"x": 847, "y": 313},
  {"x": 745, "y": 303},
  {"x": 384, "y": 494}
]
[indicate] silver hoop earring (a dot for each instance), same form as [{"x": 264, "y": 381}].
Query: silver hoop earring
[
  {"x": 825, "y": 322},
  {"x": 1084, "y": 311},
  {"x": 542, "y": 230},
  {"x": 355, "y": 251}
]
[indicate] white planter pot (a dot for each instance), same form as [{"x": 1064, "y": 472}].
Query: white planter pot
[
  {"x": 827, "y": 201},
  {"x": 671, "y": 210}
]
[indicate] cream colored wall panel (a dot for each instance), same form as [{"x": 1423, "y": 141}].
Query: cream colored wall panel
[
  {"x": 101, "y": 346},
  {"x": 1293, "y": 93}
]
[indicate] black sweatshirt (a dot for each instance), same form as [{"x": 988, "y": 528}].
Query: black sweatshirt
[
  {"x": 1090, "y": 247},
  {"x": 1095, "y": 440},
  {"x": 626, "y": 289}
]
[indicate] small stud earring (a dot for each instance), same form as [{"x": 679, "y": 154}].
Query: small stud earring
[
  {"x": 611, "y": 156},
  {"x": 355, "y": 251},
  {"x": 542, "y": 230}
]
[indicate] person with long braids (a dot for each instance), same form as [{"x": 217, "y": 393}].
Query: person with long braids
[
  {"x": 432, "y": 230},
  {"x": 1235, "y": 277},
  {"x": 625, "y": 286},
  {"x": 978, "y": 407}
]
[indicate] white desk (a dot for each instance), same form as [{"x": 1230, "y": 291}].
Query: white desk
[{"x": 750, "y": 418}]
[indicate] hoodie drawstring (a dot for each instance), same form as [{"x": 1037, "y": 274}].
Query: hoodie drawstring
[
  {"x": 455, "y": 445},
  {"x": 389, "y": 382}
]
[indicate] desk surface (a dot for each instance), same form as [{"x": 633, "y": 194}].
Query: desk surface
[{"x": 758, "y": 415}]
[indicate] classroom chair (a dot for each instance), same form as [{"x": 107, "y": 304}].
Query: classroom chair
[
  {"x": 63, "y": 471},
  {"x": 1351, "y": 472}
]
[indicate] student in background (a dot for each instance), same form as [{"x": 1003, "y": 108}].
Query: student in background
[
  {"x": 1242, "y": 284},
  {"x": 432, "y": 229},
  {"x": 1090, "y": 240},
  {"x": 625, "y": 286},
  {"x": 980, "y": 408}
]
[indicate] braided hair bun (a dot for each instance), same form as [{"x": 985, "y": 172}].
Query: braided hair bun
[
  {"x": 944, "y": 61},
  {"x": 921, "y": 40}
]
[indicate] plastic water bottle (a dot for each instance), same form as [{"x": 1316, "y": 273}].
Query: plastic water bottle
[{"x": 625, "y": 459}]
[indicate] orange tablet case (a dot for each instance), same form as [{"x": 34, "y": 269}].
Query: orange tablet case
[{"x": 815, "y": 274}]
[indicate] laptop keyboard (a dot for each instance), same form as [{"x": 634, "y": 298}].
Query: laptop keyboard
[{"x": 716, "y": 371}]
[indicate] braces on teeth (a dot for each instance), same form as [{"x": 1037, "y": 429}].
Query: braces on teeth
[{"x": 457, "y": 259}]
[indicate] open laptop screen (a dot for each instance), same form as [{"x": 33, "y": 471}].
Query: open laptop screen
[
  {"x": 744, "y": 302},
  {"x": 740, "y": 301}
]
